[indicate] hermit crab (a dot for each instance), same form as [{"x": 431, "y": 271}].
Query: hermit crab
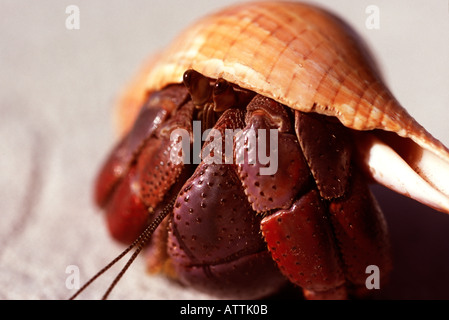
[{"x": 239, "y": 225}]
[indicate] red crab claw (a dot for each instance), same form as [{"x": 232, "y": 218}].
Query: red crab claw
[
  {"x": 276, "y": 190},
  {"x": 138, "y": 176},
  {"x": 214, "y": 237},
  {"x": 329, "y": 228}
]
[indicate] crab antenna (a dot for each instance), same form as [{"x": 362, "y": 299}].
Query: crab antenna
[{"x": 143, "y": 238}]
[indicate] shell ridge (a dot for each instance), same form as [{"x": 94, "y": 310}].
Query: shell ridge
[
  {"x": 331, "y": 67},
  {"x": 356, "y": 120}
]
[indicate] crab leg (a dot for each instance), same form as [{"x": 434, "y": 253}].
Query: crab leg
[{"x": 424, "y": 178}]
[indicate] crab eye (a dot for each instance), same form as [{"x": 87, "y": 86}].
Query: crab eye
[
  {"x": 187, "y": 78},
  {"x": 220, "y": 86},
  {"x": 223, "y": 95},
  {"x": 198, "y": 87}
]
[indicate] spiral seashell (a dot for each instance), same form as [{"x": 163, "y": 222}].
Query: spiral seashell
[{"x": 310, "y": 60}]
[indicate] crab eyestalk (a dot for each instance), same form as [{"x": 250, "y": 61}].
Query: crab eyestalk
[
  {"x": 213, "y": 97},
  {"x": 224, "y": 96},
  {"x": 198, "y": 86}
]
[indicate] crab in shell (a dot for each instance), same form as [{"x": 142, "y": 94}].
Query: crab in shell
[{"x": 223, "y": 226}]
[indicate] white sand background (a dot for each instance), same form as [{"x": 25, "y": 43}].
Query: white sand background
[{"x": 57, "y": 90}]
